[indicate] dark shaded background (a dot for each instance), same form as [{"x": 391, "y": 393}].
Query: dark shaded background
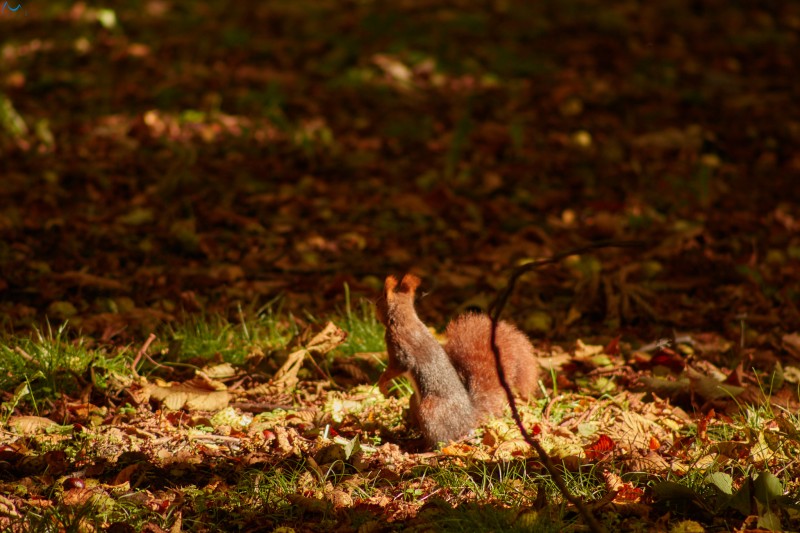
[{"x": 164, "y": 157}]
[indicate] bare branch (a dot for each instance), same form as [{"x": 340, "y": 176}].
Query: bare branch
[{"x": 495, "y": 311}]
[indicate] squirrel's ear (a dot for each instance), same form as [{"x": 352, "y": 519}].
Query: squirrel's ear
[
  {"x": 409, "y": 283},
  {"x": 389, "y": 285}
]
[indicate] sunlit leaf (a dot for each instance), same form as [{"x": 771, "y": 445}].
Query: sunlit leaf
[
  {"x": 767, "y": 487},
  {"x": 769, "y": 520},
  {"x": 721, "y": 481},
  {"x": 30, "y": 425},
  {"x": 352, "y": 447}
]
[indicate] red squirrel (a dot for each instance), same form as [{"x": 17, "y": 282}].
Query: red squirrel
[
  {"x": 456, "y": 385},
  {"x": 440, "y": 406}
]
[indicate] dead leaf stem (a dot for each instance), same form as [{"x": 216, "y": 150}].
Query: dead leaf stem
[
  {"x": 143, "y": 352},
  {"x": 259, "y": 407},
  {"x": 25, "y": 355},
  {"x": 220, "y": 438}
]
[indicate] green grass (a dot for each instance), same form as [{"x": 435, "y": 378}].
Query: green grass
[
  {"x": 730, "y": 488},
  {"x": 453, "y": 494},
  {"x": 48, "y": 364},
  {"x": 52, "y": 363},
  {"x": 365, "y": 333},
  {"x": 439, "y": 516},
  {"x": 510, "y": 486},
  {"x": 215, "y": 337}
]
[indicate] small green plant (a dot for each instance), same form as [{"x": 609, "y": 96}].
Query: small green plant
[
  {"x": 22, "y": 390},
  {"x": 364, "y": 331},
  {"x": 412, "y": 494},
  {"x": 126, "y": 410},
  {"x": 51, "y": 364},
  {"x": 718, "y": 495}
]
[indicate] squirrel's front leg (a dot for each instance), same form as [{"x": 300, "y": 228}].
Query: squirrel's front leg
[{"x": 386, "y": 378}]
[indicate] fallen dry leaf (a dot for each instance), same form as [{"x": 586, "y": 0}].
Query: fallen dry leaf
[
  {"x": 329, "y": 338},
  {"x": 791, "y": 342},
  {"x": 196, "y": 394},
  {"x": 30, "y": 425}
]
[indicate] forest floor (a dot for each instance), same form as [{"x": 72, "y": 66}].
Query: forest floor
[{"x": 196, "y": 190}]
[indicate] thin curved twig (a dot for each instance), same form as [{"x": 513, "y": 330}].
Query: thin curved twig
[
  {"x": 500, "y": 302},
  {"x": 495, "y": 311}
]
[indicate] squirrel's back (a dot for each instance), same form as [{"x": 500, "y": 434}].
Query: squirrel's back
[{"x": 470, "y": 350}]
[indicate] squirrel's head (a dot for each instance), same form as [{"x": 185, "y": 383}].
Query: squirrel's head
[{"x": 395, "y": 292}]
